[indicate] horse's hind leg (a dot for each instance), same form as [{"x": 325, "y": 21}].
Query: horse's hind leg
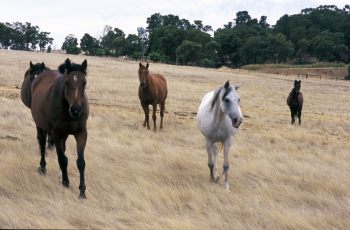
[
  {"x": 50, "y": 143},
  {"x": 212, "y": 152},
  {"x": 154, "y": 116},
  {"x": 162, "y": 109},
  {"x": 60, "y": 144},
  {"x": 146, "y": 111},
  {"x": 41, "y": 135}
]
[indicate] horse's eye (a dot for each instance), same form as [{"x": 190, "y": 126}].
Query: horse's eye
[
  {"x": 239, "y": 100},
  {"x": 227, "y": 100}
]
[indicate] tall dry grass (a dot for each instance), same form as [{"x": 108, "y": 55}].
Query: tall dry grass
[{"x": 281, "y": 177}]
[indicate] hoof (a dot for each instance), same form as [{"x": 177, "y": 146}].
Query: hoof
[
  {"x": 65, "y": 184},
  {"x": 82, "y": 195},
  {"x": 215, "y": 179},
  {"x": 42, "y": 171}
]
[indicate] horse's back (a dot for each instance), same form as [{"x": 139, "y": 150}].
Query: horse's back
[{"x": 40, "y": 88}]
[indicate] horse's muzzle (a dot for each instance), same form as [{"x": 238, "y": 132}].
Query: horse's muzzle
[
  {"x": 75, "y": 111},
  {"x": 236, "y": 122},
  {"x": 143, "y": 84}
]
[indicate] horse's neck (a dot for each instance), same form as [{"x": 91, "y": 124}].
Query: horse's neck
[{"x": 218, "y": 114}]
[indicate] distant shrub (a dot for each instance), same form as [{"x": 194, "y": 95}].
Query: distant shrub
[
  {"x": 154, "y": 56},
  {"x": 348, "y": 77},
  {"x": 100, "y": 52}
]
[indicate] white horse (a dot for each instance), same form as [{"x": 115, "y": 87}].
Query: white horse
[{"x": 218, "y": 118}]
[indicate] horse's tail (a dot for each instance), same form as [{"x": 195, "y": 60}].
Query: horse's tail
[{"x": 26, "y": 95}]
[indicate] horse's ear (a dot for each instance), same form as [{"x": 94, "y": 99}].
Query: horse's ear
[
  {"x": 67, "y": 64},
  {"x": 43, "y": 65},
  {"x": 147, "y": 65},
  {"x": 299, "y": 81},
  {"x": 62, "y": 68},
  {"x": 238, "y": 86},
  {"x": 84, "y": 65},
  {"x": 227, "y": 84},
  {"x": 31, "y": 64},
  {"x": 295, "y": 81},
  {"x": 140, "y": 65}
]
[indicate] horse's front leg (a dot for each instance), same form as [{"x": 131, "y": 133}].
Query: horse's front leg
[
  {"x": 299, "y": 116},
  {"x": 81, "y": 143},
  {"x": 60, "y": 144},
  {"x": 154, "y": 117},
  {"x": 146, "y": 111},
  {"x": 227, "y": 145},
  {"x": 212, "y": 152},
  {"x": 292, "y": 117}
]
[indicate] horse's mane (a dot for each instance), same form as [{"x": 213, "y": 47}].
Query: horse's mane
[
  {"x": 215, "y": 97},
  {"x": 227, "y": 89},
  {"x": 73, "y": 67}
]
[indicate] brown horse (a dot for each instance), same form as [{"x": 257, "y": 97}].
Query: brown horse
[
  {"x": 60, "y": 108},
  {"x": 29, "y": 75},
  {"x": 152, "y": 91},
  {"x": 295, "y": 102}
]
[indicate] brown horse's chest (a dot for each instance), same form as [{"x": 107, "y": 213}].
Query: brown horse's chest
[{"x": 146, "y": 97}]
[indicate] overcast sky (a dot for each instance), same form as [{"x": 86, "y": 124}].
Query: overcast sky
[{"x": 63, "y": 17}]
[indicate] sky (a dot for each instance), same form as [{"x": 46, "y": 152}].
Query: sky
[{"x": 63, "y": 17}]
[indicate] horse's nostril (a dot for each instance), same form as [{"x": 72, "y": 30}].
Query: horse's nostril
[{"x": 235, "y": 120}]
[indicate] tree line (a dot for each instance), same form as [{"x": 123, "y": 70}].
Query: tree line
[
  {"x": 19, "y": 36},
  {"x": 315, "y": 34}
]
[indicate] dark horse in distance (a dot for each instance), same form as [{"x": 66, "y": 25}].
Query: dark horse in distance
[
  {"x": 26, "y": 89},
  {"x": 295, "y": 102},
  {"x": 152, "y": 91},
  {"x": 60, "y": 108}
]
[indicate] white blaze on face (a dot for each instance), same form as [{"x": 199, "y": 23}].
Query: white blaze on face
[{"x": 76, "y": 91}]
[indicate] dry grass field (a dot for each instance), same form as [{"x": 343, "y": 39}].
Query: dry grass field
[{"x": 281, "y": 177}]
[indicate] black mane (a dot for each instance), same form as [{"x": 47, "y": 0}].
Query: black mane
[{"x": 72, "y": 67}]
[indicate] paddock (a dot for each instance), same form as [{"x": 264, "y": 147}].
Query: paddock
[{"x": 281, "y": 177}]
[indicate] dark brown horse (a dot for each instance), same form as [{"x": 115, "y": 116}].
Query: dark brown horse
[
  {"x": 152, "y": 91},
  {"x": 295, "y": 102},
  {"x": 29, "y": 75},
  {"x": 60, "y": 108}
]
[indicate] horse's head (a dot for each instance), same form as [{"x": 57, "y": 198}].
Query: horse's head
[
  {"x": 143, "y": 73},
  {"x": 34, "y": 70},
  {"x": 297, "y": 85},
  {"x": 74, "y": 88},
  {"x": 230, "y": 104}
]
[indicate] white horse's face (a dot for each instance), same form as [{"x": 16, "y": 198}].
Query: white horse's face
[{"x": 230, "y": 104}]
